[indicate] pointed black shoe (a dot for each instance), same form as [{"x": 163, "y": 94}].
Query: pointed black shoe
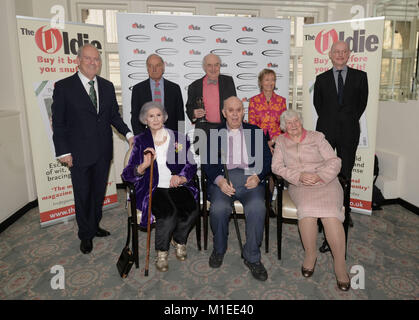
[
  {"x": 102, "y": 232},
  {"x": 86, "y": 246}
]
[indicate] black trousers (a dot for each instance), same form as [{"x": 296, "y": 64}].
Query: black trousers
[
  {"x": 176, "y": 211},
  {"x": 89, "y": 187}
]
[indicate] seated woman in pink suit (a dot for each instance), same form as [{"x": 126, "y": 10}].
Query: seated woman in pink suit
[
  {"x": 266, "y": 107},
  {"x": 307, "y": 161}
]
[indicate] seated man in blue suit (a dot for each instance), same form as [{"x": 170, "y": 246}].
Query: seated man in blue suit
[{"x": 244, "y": 149}]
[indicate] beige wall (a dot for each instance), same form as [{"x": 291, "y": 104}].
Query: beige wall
[{"x": 398, "y": 150}]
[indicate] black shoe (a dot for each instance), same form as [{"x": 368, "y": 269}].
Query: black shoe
[
  {"x": 257, "y": 269},
  {"x": 102, "y": 232},
  {"x": 216, "y": 260},
  {"x": 86, "y": 246},
  {"x": 325, "y": 247}
]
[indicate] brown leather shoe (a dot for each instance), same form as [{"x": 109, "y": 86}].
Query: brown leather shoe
[
  {"x": 344, "y": 286},
  {"x": 307, "y": 273}
]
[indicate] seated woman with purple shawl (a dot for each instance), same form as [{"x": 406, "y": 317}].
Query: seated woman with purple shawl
[{"x": 174, "y": 195}]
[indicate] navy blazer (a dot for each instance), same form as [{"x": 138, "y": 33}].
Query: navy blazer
[
  {"x": 77, "y": 127},
  {"x": 257, "y": 140},
  {"x": 173, "y": 103}
]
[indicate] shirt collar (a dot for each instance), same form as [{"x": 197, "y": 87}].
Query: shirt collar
[
  {"x": 344, "y": 69},
  {"x": 85, "y": 80},
  {"x": 153, "y": 82}
]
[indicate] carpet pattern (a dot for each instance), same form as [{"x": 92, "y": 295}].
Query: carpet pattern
[{"x": 385, "y": 245}]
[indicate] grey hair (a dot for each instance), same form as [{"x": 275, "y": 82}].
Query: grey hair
[
  {"x": 154, "y": 55},
  {"x": 147, "y": 107},
  {"x": 80, "y": 50},
  {"x": 205, "y": 59},
  {"x": 287, "y": 115}
]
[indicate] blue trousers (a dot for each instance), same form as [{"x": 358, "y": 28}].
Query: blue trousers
[{"x": 253, "y": 201}]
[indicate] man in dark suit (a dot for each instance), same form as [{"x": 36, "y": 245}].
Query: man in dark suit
[
  {"x": 156, "y": 88},
  {"x": 84, "y": 108},
  {"x": 206, "y": 97},
  {"x": 244, "y": 149},
  {"x": 340, "y": 99}
]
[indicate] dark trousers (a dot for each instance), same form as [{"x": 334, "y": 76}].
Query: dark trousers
[
  {"x": 176, "y": 211},
  {"x": 89, "y": 187},
  {"x": 253, "y": 201}
]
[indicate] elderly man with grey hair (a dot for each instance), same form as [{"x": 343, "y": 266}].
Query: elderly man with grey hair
[
  {"x": 244, "y": 149},
  {"x": 157, "y": 88},
  {"x": 83, "y": 110},
  {"x": 206, "y": 96}
]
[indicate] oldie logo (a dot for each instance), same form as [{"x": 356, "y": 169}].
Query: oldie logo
[
  {"x": 247, "y": 64},
  {"x": 138, "y": 38},
  {"x": 49, "y": 41},
  {"x": 273, "y": 29},
  {"x": 167, "y": 51},
  {"x": 137, "y": 63},
  {"x": 247, "y": 40},
  {"x": 194, "y": 39},
  {"x": 221, "y": 52},
  {"x": 166, "y": 26},
  {"x": 220, "y": 27}
]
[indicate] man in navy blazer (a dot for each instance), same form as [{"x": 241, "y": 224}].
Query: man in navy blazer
[
  {"x": 84, "y": 108},
  {"x": 244, "y": 149},
  {"x": 170, "y": 98}
]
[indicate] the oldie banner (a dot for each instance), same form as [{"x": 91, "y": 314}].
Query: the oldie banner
[
  {"x": 48, "y": 54},
  {"x": 365, "y": 39},
  {"x": 245, "y": 46}
]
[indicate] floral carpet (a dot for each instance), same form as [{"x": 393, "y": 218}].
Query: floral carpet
[{"x": 383, "y": 256}]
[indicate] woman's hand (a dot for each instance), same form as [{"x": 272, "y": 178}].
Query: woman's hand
[
  {"x": 176, "y": 181},
  {"x": 149, "y": 154},
  {"x": 309, "y": 179}
]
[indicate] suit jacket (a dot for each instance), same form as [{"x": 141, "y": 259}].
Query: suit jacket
[
  {"x": 173, "y": 103},
  {"x": 227, "y": 89},
  {"x": 335, "y": 121},
  {"x": 261, "y": 164},
  {"x": 77, "y": 127},
  {"x": 178, "y": 162}
]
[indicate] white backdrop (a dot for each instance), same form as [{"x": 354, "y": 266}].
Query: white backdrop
[{"x": 245, "y": 46}]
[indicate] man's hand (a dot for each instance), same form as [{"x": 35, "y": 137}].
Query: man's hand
[
  {"x": 199, "y": 113},
  {"x": 252, "y": 182},
  {"x": 225, "y": 187},
  {"x": 66, "y": 160},
  {"x": 131, "y": 141}
]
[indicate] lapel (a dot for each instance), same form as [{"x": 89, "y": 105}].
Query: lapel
[
  {"x": 147, "y": 91},
  {"x": 101, "y": 93},
  {"x": 347, "y": 82},
  {"x": 83, "y": 93},
  {"x": 331, "y": 82}
]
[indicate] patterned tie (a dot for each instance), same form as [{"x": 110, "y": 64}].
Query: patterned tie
[
  {"x": 209, "y": 81},
  {"x": 340, "y": 88},
  {"x": 92, "y": 93},
  {"x": 157, "y": 93}
]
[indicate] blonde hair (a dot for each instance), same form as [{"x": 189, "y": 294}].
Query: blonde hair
[{"x": 262, "y": 74}]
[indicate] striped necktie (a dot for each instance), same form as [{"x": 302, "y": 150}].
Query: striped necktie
[
  {"x": 157, "y": 93},
  {"x": 92, "y": 93}
]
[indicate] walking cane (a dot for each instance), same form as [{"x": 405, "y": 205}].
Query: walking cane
[
  {"x": 147, "y": 258},
  {"x": 236, "y": 224}
]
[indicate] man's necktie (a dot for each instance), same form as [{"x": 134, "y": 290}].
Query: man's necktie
[
  {"x": 92, "y": 93},
  {"x": 157, "y": 93},
  {"x": 209, "y": 81},
  {"x": 340, "y": 88}
]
